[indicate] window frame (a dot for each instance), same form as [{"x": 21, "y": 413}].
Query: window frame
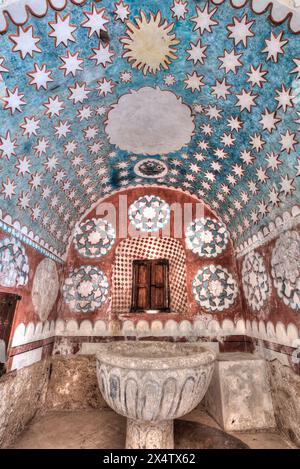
[{"x": 150, "y": 285}]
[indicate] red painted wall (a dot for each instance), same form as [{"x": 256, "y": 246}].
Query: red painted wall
[
  {"x": 193, "y": 261},
  {"x": 274, "y": 309},
  {"x": 25, "y": 311}
]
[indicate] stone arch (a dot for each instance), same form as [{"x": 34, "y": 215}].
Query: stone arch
[{"x": 149, "y": 248}]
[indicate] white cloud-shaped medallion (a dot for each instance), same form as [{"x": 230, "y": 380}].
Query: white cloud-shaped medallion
[
  {"x": 150, "y": 121},
  {"x": 45, "y": 288}
]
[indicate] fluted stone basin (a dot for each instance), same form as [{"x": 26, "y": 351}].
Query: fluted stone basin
[{"x": 152, "y": 383}]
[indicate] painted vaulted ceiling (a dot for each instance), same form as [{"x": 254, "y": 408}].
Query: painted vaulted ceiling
[{"x": 209, "y": 90}]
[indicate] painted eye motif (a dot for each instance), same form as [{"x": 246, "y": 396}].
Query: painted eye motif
[{"x": 151, "y": 168}]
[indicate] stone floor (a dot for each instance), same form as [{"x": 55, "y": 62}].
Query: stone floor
[{"x": 88, "y": 429}]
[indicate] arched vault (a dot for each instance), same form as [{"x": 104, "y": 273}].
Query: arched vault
[{"x": 202, "y": 96}]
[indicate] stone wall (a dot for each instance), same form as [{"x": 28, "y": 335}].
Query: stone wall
[
  {"x": 70, "y": 383},
  {"x": 63, "y": 383},
  {"x": 22, "y": 394},
  {"x": 39, "y": 299},
  {"x": 265, "y": 318},
  {"x": 73, "y": 384},
  {"x": 285, "y": 386}
]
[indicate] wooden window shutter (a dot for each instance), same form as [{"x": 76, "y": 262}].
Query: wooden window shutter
[
  {"x": 159, "y": 285},
  {"x": 141, "y": 286},
  {"x": 150, "y": 286}
]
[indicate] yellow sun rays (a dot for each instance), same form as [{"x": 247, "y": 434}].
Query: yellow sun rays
[{"x": 149, "y": 44}]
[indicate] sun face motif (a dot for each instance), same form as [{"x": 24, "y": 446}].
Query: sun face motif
[{"x": 149, "y": 44}]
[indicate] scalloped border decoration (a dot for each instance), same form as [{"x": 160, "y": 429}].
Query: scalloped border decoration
[
  {"x": 18, "y": 12},
  {"x": 278, "y": 12},
  {"x": 285, "y": 221},
  {"x": 15, "y": 229},
  {"x": 277, "y": 333}
]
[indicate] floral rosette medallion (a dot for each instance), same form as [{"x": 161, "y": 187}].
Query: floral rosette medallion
[
  {"x": 214, "y": 288},
  {"x": 14, "y": 267},
  {"x": 206, "y": 237},
  {"x": 149, "y": 213},
  {"x": 286, "y": 268},
  {"x": 94, "y": 237},
  {"x": 255, "y": 280},
  {"x": 85, "y": 289}
]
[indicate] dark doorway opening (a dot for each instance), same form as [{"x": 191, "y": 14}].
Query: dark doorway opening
[{"x": 8, "y": 304}]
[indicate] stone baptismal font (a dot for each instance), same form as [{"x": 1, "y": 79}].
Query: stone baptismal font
[{"x": 153, "y": 383}]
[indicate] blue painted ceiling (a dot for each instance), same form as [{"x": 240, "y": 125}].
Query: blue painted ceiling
[{"x": 237, "y": 71}]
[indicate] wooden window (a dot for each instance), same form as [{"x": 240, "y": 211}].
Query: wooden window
[
  {"x": 150, "y": 286},
  {"x": 8, "y": 303}
]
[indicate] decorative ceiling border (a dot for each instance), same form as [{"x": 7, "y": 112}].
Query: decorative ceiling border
[
  {"x": 278, "y": 12},
  {"x": 21, "y": 232},
  {"x": 286, "y": 221},
  {"x": 18, "y": 11}
]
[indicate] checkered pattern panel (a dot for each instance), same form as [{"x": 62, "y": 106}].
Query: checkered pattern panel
[{"x": 149, "y": 248}]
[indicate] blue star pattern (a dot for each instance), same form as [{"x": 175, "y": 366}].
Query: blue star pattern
[{"x": 236, "y": 71}]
